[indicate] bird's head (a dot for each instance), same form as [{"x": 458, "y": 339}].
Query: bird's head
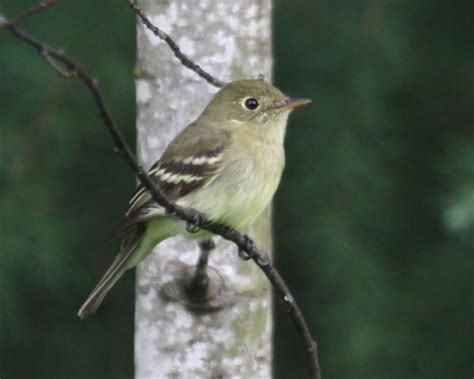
[{"x": 252, "y": 101}]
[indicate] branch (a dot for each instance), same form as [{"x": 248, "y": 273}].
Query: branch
[
  {"x": 27, "y": 13},
  {"x": 183, "y": 58},
  {"x": 193, "y": 218},
  {"x": 200, "y": 282}
]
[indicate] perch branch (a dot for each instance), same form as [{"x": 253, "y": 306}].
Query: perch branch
[
  {"x": 190, "y": 216},
  {"x": 183, "y": 58}
]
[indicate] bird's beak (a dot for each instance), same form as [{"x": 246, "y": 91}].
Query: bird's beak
[{"x": 293, "y": 103}]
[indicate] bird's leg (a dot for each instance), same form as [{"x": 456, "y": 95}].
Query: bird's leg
[
  {"x": 199, "y": 283},
  {"x": 193, "y": 225}
]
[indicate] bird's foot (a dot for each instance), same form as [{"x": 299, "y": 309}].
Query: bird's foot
[
  {"x": 250, "y": 249},
  {"x": 192, "y": 226}
]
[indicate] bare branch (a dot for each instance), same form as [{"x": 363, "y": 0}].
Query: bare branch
[
  {"x": 200, "y": 281},
  {"x": 54, "y": 65},
  {"x": 190, "y": 216},
  {"x": 185, "y": 61},
  {"x": 27, "y": 13}
]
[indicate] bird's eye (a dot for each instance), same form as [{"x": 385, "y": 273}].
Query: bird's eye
[{"x": 251, "y": 103}]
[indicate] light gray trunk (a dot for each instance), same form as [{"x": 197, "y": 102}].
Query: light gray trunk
[{"x": 232, "y": 40}]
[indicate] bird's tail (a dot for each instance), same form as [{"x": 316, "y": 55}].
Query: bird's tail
[
  {"x": 123, "y": 261},
  {"x": 139, "y": 242}
]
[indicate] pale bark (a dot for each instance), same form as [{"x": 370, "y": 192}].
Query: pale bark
[{"x": 231, "y": 40}]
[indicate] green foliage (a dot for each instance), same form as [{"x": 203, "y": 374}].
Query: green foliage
[
  {"x": 379, "y": 256},
  {"x": 382, "y": 256},
  {"x": 61, "y": 184}
]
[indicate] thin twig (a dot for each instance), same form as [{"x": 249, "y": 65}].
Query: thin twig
[
  {"x": 199, "y": 283},
  {"x": 54, "y": 65},
  {"x": 201, "y": 278},
  {"x": 191, "y": 216},
  {"x": 30, "y": 12},
  {"x": 183, "y": 58}
]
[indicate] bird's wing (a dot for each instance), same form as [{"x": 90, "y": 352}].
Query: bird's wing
[{"x": 191, "y": 161}]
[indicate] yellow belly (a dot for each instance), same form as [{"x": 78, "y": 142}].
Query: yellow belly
[{"x": 240, "y": 192}]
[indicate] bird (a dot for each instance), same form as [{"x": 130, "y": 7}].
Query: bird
[{"x": 227, "y": 164}]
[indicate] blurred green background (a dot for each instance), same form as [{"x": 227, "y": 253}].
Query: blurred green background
[{"x": 382, "y": 164}]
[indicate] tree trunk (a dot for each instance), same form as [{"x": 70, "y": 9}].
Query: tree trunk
[{"x": 231, "y": 337}]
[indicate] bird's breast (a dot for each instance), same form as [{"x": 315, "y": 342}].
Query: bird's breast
[{"x": 244, "y": 187}]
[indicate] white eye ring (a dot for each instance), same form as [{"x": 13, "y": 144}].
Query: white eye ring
[{"x": 250, "y": 103}]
